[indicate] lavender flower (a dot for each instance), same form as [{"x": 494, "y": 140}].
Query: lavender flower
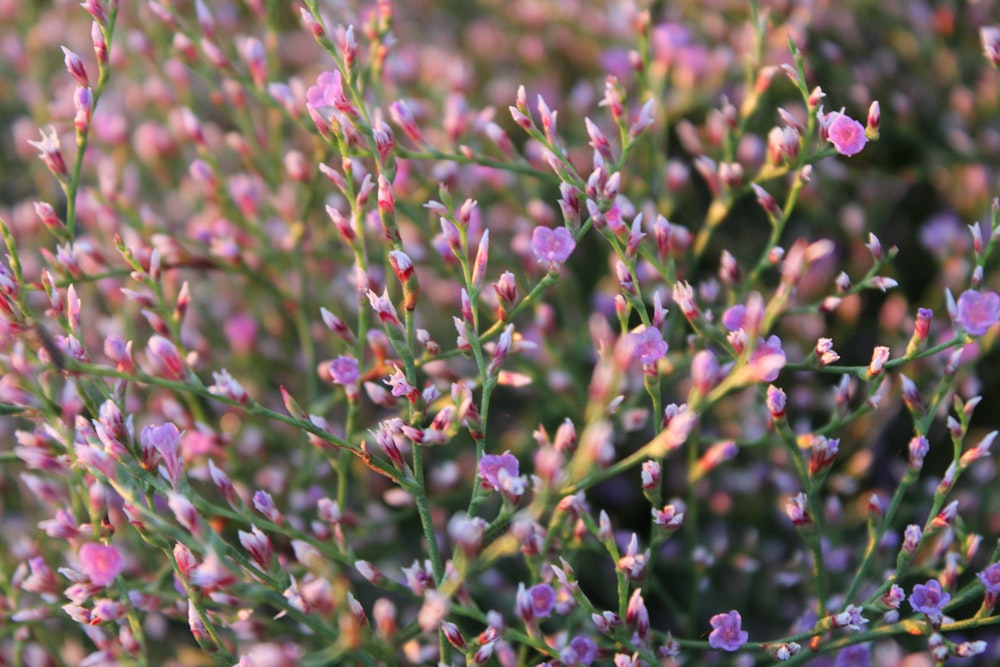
[
  {"x": 978, "y": 311},
  {"x": 727, "y": 633},
  {"x": 928, "y": 599},
  {"x": 648, "y": 345},
  {"x": 552, "y": 245}
]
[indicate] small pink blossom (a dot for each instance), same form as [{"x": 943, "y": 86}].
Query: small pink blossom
[
  {"x": 978, "y": 311},
  {"x": 101, "y": 563},
  {"x": 552, "y": 245},
  {"x": 491, "y": 465},
  {"x": 846, "y": 134},
  {"x": 767, "y": 360},
  {"x": 344, "y": 370},
  {"x": 329, "y": 92},
  {"x": 648, "y": 345}
]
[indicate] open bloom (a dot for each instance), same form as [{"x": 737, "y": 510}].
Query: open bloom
[
  {"x": 536, "y": 602},
  {"x": 991, "y": 578},
  {"x": 648, "y": 345},
  {"x": 328, "y": 92},
  {"x": 846, "y": 134},
  {"x": 491, "y": 465},
  {"x": 928, "y": 599},
  {"x": 727, "y": 633},
  {"x": 552, "y": 245},
  {"x": 978, "y": 311},
  {"x": 344, "y": 370},
  {"x": 100, "y": 563}
]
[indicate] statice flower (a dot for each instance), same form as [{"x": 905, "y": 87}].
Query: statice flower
[
  {"x": 990, "y": 577},
  {"x": 928, "y": 599},
  {"x": 648, "y": 345},
  {"x": 978, "y": 311},
  {"x": 328, "y": 92},
  {"x": 552, "y": 245},
  {"x": 495, "y": 468},
  {"x": 344, "y": 370},
  {"x": 535, "y": 602},
  {"x": 767, "y": 360},
  {"x": 846, "y": 134},
  {"x": 858, "y": 655},
  {"x": 101, "y": 563},
  {"x": 727, "y": 634}
]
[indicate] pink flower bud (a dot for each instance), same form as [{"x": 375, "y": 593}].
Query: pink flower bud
[{"x": 164, "y": 359}]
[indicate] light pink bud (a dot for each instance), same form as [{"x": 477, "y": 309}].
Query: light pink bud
[
  {"x": 184, "y": 511},
  {"x": 874, "y": 121},
  {"x": 164, "y": 358},
  {"x": 766, "y": 201},
  {"x": 74, "y": 65},
  {"x": 258, "y": 545},
  {"x": 879, "y": 357},
  {"x": 797, "y": 511}
]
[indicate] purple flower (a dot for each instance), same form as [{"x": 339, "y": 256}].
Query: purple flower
[
  {"x": 727, "y": 633},
  {"x": 491, "y": 465},
  {"x": 978, "y": 311},
  {"x": 100, "y": 563},
  {"x": 991, "y": 578},
  {"x": 928, "y": 599},
  {"x": 543, "y": 600},
  {"x": 858, "y": 655},
  {"x": 767, "y": 360},
  {"x": 344, "y": 370},
  {"x": 552, "y": 245},
  {"x": 734, "y": 317},
  {"x": 846, "y": 134},
  {"x": 648, "y": 345},
  {"x": 585, "y": 649}
]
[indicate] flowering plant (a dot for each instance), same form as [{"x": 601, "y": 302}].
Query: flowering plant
[{"x": 324, "y": 343}]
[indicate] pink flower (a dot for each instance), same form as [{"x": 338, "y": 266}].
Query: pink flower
[
  {"x": 552, "y": 245},
  {"x": 767, "y": 360},
  {"x": 328, "y": 92},
  {"x": 978, "y": 311},
  {"x": 727, "y": 634},
  {"x": 100, "y": 563},
  {"x": 846, "y": 134},
  {"x": 648, "y": 345},
  {"x": 491, "y": 465},
  {"x": 344, "y": 370}
]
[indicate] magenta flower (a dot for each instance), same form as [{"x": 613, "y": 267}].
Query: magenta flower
[
  {"x": 928, "y": 599},
  {"x": 100, "y": 563},
  {"x": 344, "y": 370},
  {"x": 491, "y": 465},
  {"x": 846, "y": 134},
  {"x": 727, "y": 633},
  {"x": 552, "y": 245},
  {"x": 648, "y": 345},
  {"x": 978, "y": 311}
]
